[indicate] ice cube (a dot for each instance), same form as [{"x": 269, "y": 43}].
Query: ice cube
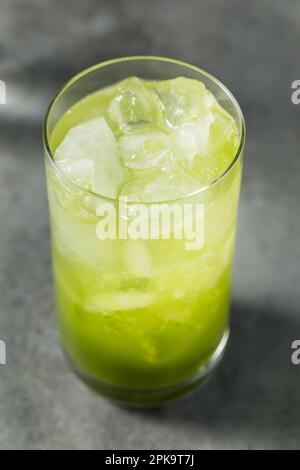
[
  {"x": 79, "y": 141},
  {"x": 223, "y": 130},
  {"x": 92, "y": 141},
  {"x": 170, "y": 186},
  {"x": 134, "y": 106},
  {"x": 156, "y": 186},
  {"x": 134, "y": 186},
  {"x": 184, "y": 100},
  {"x": 146, "y": 150},
  {"x": 108, "y": 170},
  {"x": 77, "y": 240},
  {"x": 80, "y": 171},
  {"x": 222, "y": 145},
  {"x": 115, "y": 301},
  {"x": 192, "y": 139},
  {"x": 137, "y": 258}
]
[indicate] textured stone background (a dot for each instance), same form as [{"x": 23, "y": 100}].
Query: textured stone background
[{"x": 253, "y": 47}]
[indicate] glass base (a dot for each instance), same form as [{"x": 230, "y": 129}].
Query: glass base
[{"x": 152, "y": 397}]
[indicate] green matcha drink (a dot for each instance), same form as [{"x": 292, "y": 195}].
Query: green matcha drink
[{"x": 142, "y": 319}]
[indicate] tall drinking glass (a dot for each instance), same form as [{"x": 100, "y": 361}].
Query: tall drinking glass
[{"x": 142, "y": 321}]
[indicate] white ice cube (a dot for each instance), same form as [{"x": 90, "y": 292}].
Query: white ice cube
[
  {"x": 137, "y": 258},
  {"x": 192, "y": 139},
  {"x": 81, "y": 171},
  {"x": 170, "y": 186},
  {"x": 183, "y": 100},
  {"x": 114, "y": 301},
  {"x": 134, "y": 106},
  {"x": 146, "y": 150},
  {"x": 94, "y": 141}
]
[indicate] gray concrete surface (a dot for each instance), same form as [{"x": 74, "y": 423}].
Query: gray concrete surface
[{"x": 254, "y": 399}]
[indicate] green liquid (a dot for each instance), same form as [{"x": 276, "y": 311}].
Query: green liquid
[{"x": 123, "y": 321}]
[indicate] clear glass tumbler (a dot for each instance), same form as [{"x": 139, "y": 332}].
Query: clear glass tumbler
[{"x": 141, "y": 321}]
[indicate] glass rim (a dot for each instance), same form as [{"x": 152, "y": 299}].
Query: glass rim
[{"x": 100, "y": 65}]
